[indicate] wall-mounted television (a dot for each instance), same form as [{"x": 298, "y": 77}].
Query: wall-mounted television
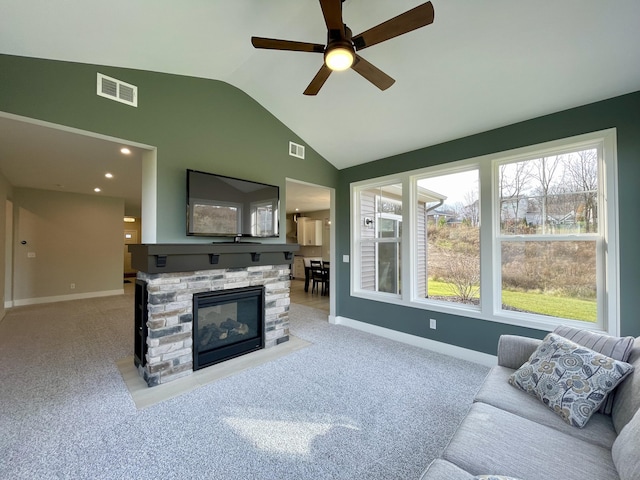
[{"x": 220, "y": 206}]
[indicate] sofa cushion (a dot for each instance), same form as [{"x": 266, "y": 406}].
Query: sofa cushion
[
  {"x": 496, "y": 391},
  {"x": 443, "y": 470},
  {"x": 627, "y": 400},
  {"x": 493, "y": 440},
  {"x": 618, "y": 348},
  {"x": 625, "y": 450},
  {"x": 570, "y": 379}
]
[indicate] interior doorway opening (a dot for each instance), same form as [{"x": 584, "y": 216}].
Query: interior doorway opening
[{"x": 310, "y": 210}]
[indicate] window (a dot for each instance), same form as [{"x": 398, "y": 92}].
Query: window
[
  {"x": 379, "y": 213},
  {"x": 548, "y": 240},
  {"x": 527, "y": 237},
  {"x": 448, "y": 237}
]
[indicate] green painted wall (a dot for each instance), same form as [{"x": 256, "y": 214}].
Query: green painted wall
[
  {"x": 194, "y": 123},
  {"x": 212, "y": 126},
  {"x": 620, "y": 112}
]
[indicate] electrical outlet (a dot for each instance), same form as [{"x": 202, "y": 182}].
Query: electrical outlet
[
  {"x": 72, "y": 286},
  {"x": 432, "y": 323}
]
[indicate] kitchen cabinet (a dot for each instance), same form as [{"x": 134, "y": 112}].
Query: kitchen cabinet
[{"x": 309, "y": 231}]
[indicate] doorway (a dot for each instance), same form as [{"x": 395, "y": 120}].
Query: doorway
[
  {"x": 315, "y": 203},
  {"x": 70, "y": 162}
]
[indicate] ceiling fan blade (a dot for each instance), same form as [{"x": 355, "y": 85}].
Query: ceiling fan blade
[
  {"x": 372, "y": 73},
  {"x": 275, "y": 44},
  {"x": 332, "y": 12},
  {"x": 408, "y": 21},
  {"x": 318, "y": 81}
]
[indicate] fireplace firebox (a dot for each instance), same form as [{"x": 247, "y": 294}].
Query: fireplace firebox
[{"x": 226, "y": 324}]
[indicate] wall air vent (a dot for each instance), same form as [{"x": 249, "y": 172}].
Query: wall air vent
[
  {"x": 296, "y": 150},
  {"x": 117, "y": 90}
]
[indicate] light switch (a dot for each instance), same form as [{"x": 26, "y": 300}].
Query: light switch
[
  {"x": 31, "y": 254},
  {"x": 345, "y": 258}
]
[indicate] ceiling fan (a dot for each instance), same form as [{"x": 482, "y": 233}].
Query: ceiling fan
[{"x": 340, "y": 51}]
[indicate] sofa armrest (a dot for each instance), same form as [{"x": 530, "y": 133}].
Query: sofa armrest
[{"x": 514, "y": 350}]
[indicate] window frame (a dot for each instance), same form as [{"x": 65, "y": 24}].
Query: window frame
[
  {"x": 414, "y": 178},
  {"x": 356, "y": 264},
  {"x": 608, "y": 269}
]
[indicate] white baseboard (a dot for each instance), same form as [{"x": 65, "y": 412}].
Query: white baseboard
[
  {"x": 64, "y": 298},
  {"x": 416, "y": 341}
]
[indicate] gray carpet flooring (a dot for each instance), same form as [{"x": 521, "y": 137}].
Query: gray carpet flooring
[{"x": 349, "y": 406}]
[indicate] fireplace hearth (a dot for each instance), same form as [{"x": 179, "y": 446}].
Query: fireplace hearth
[{"x": 226, "y": 324}]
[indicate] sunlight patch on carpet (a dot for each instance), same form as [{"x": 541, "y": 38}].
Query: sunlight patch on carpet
[{"x": 281, "y": 436}]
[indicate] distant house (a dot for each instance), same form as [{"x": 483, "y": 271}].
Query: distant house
[
  {"x": 527, "y": 210},
  {"x": 436, "y": 215}
]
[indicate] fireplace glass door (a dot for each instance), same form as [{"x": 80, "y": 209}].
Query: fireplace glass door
[{"x": 226, "y": 324}]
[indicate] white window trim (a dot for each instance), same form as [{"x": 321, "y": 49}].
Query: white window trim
[{"x": 490, "y": 308}]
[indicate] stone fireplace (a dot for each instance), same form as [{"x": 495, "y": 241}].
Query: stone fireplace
[{"x": 165, "y": 325}]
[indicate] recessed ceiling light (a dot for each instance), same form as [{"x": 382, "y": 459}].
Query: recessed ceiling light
[
  {"x": 125, "y": 150},
  {"x": 97, "y": 189},
  {"x": 108, "y": 175}
]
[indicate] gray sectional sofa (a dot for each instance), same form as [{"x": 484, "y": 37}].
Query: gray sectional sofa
[{"x": 510, "y": 433}]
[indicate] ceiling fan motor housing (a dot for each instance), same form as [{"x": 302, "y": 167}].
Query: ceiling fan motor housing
[{"x": 339, "y": 45}]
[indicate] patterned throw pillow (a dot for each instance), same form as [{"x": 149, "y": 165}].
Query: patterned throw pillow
[
  {"x": 618, "y": 348},
  {"x": 493, "y": 477},
  {"x": 570, "y": 379}
]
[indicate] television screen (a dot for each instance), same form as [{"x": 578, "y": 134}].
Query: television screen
[{"x": 219, "y": 206}]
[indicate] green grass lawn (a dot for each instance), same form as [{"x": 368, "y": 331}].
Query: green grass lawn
[{"x": 534, "y": 302}]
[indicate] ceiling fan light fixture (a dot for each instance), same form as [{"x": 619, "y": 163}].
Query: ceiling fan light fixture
[{"x": 339, "y": 58}]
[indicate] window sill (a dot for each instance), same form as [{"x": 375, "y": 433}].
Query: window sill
[{"x": 512, "y": 318}]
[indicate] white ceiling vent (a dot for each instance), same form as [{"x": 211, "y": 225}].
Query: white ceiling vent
[
  {"x": 117, "y": 90},
  {"x": 296, "y": 150}
]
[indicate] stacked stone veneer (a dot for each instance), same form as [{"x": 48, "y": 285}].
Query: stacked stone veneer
[{"x": 170, "y": 313}]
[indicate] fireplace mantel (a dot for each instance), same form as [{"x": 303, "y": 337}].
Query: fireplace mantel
[{"x": 184, "y": 257}]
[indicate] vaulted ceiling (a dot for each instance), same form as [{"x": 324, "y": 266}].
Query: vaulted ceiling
[{"x": 479, "y": 66}]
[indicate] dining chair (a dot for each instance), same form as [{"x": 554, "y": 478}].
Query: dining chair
[
  {"x": 317, "y": 276},
  {"x": 326, "y": 268}
]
